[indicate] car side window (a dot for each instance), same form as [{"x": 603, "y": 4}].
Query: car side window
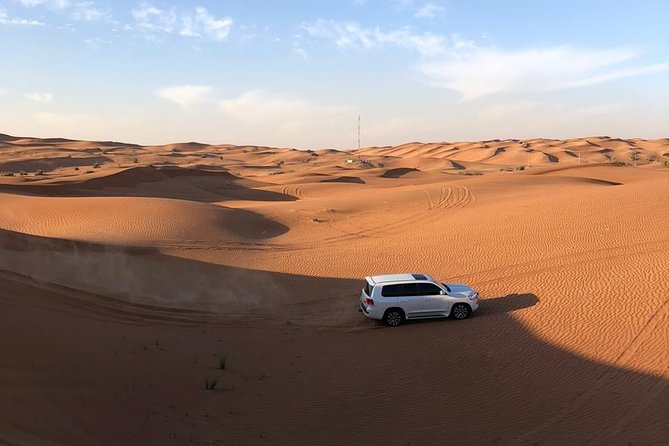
[
  {"x": 410, "y": 289},
  {"x": 429, "y": 289},
  {"x": 391, "y": 290},
  {"x": 401, "y": 289}
]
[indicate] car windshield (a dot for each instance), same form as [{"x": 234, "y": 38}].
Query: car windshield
[{"x": 447, "y": 288}]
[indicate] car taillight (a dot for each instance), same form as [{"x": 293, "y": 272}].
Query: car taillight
[{"x": 369, "y": 301}]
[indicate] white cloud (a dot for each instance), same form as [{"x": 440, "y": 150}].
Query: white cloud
[
  {"x": 618, "y": 74},
  {"x": 81, "y": 10},
  {"x": 56, "y": 4},
  {"x": 476, "y": 72},
  {"x": 457, "y": 64},
  {"x": 90, "y": 12},
  {"x": 96, "y": 43},
  {"x": 344, "y": 34},
  {"x": 6, "y": 20},
  {"x": 429, "y": 10},
  {"x": 199, "y": 23},
  {"x": 203, "y": 22},
  {"x": 281, "y": 115},
  {"x": 40, "y": 97},
  {"x": 299, "y": 51},
  {"x": 353, "y": 35},
  {"x": 185, "y": 95},
  {"x": 154, "y": 19}
]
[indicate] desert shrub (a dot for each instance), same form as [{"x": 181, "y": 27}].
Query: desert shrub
[
  {"x": 8, "y": 174},
  {"x": 76, "y": 168},
  {"x": 96, "y": 166},
  {"x": 279, "y": 163},
  {"x": 23, "y": 173},
  {"x": 470, "y": 172},
  {"x": 135, "y": 160},
  {"x": 39, "y": 173},
  {"x": 210, "y": 385},
  {"x": 518, "y": 168},
  {"x": 222, "y": 362}
]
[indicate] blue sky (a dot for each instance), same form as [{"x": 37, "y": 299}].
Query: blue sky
[{"x": 298, "y": 73}]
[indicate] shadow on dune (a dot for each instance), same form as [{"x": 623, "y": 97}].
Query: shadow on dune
[
  {"x": 507, "y": 304},
  {"x": 415, "y": 379},
  {"x": 46, "y": 164},
  {"x": 398, "y": 172},
  {"x": 344, "y": 179},
  {"x": 457, "y": 166},
  {"x": 158, "y": 182}
]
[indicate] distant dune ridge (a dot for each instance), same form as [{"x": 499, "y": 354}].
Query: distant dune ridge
[{"x": 132, "y": 277}]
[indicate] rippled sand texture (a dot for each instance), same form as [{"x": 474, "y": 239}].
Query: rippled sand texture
[{"x": 130, "y": 276}]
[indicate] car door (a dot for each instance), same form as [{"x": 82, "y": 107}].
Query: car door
[
  {"x": 434, "y": 302},
  {"x": 405, "y": 296}
]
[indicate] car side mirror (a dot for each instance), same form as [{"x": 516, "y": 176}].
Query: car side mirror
[{"x": 442, "y": 292}]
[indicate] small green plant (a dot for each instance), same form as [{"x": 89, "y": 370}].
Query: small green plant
[
  {"x": 76, "y": 168},
  {"x": 279, "y": 163},
  {"x": 665, "y": 163},
  {"x": 210, "y": 385},
  {"x": 222, "y": 362},
  {"x": 8, "y": 174},
  {"x": 518, "y": 168}
]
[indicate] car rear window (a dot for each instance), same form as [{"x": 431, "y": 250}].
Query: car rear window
[
  {"x": 368, "y": 288},
  {"x": 400, "y": 289}
]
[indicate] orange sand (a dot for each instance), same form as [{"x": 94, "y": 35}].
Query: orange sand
[{"x": 123, "y": 285}]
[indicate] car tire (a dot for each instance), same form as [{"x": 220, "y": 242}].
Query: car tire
[
  {"x": 393, "y": 317},
  {"x": 460, "y": 311}
]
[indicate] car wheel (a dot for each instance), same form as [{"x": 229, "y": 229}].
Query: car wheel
[
  {"x": 393, "y": 317},
  {"x": 460, "y": 311}
]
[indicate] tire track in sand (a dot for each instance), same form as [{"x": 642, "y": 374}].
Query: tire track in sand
[
  {"x": 449, "y": 199},
  {"x": 293, "y": 191}
]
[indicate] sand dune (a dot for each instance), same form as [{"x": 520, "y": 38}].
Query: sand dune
[{"x": 125, "y": 286}]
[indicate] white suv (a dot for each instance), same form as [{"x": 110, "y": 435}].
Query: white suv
[{"x": 394, "y": 298}]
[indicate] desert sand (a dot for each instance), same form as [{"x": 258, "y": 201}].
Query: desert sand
[{"x": 132, "y": 275}]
